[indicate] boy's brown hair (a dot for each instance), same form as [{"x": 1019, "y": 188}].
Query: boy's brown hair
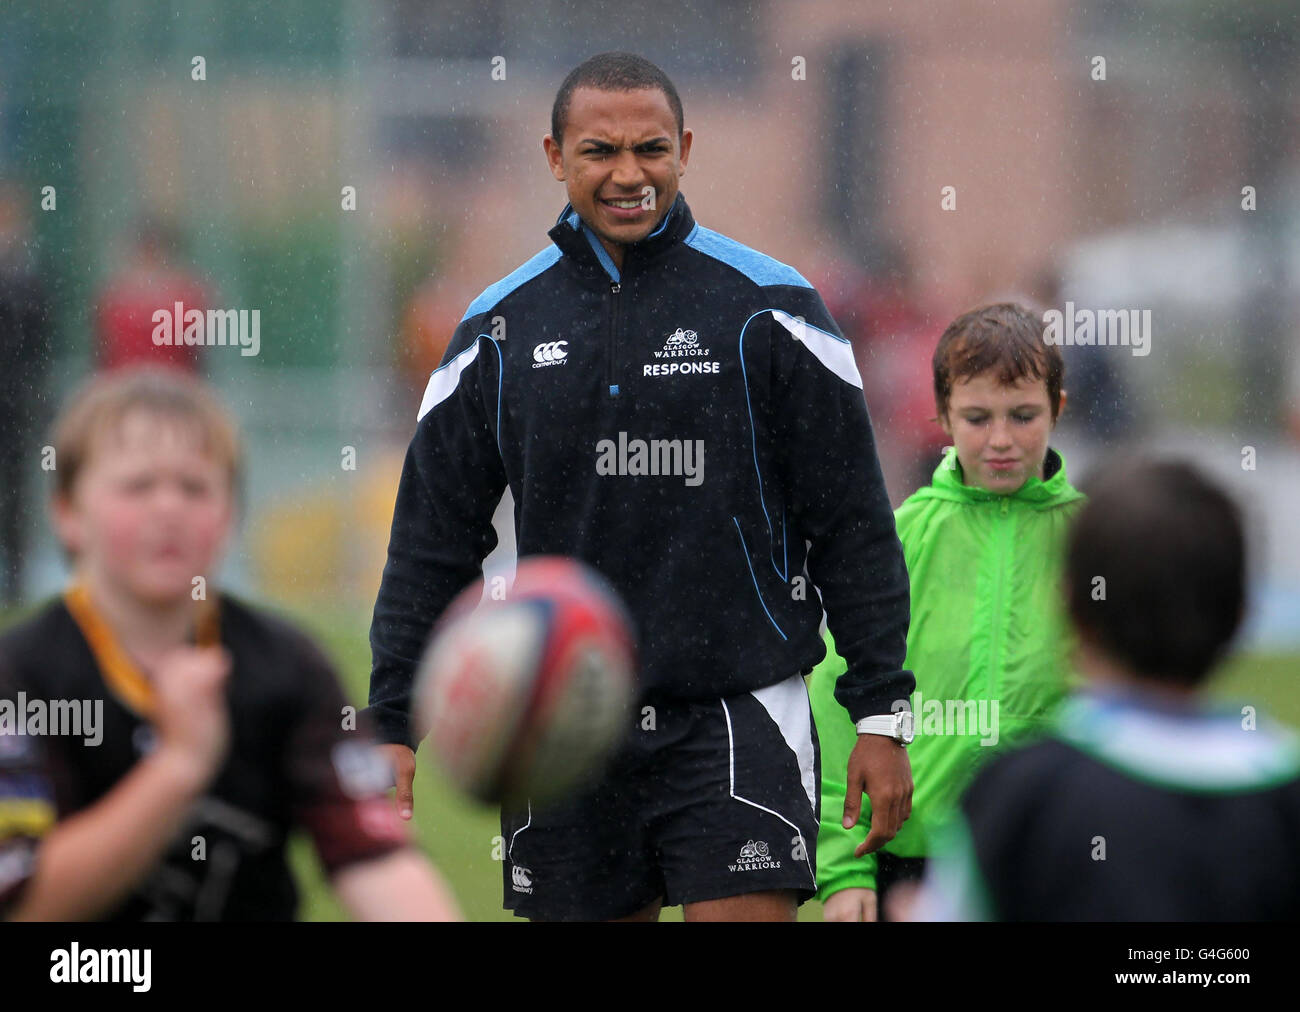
[
  {"x": 100, "y": 405},
  {"x": 1005, "y": 337}
]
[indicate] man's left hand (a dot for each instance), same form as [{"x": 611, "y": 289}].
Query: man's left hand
[{"x": 878, "y": 768}]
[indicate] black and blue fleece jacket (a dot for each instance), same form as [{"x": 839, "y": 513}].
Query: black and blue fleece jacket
[{"x": 693, "y": 427}]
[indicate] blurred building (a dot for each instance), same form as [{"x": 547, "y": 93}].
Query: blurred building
[{"x": 826, "y": 134}]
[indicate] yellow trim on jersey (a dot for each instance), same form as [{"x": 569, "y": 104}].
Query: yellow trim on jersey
[
  {"x": 118, "y": 671},
  {"x": 25, "y": 817}
]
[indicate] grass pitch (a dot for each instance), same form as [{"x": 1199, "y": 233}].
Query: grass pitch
[{"x": 459, "y": 835}]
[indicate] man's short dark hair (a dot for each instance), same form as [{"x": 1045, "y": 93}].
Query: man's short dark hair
[
  {"x": 1171, "y": 549},
  {"x": 613, "y": 72}
]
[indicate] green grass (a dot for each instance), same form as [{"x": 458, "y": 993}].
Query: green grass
[
  {"x": 458, "y": 834},
  {"x": 1270, "y": 682}
]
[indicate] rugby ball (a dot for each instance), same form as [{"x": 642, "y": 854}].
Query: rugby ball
[{"x": 524, "y": 698}]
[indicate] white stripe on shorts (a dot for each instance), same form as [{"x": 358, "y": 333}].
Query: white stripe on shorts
[
  {"x": 731, "y": 758},
  {"x": 787, "y": 702},
  {"x": 510, "y": 851}
]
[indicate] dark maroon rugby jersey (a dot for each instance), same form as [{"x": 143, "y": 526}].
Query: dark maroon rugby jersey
[
  {"x": 291, "y": 765},
  {"x": 26, "y": 805}
]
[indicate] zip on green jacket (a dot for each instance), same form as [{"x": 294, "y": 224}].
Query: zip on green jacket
[{"x": 988, "y": 643}]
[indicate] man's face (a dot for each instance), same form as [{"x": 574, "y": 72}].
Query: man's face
[
  {"x": 620, "y": 161},
  {"x": 150, "y": 511},
  {"x": 1000, "y": 431}
]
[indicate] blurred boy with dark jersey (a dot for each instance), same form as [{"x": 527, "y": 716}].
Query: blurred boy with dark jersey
[
  {"x": 1148, "y": 802},
  {"x": 221, "y": 727}
]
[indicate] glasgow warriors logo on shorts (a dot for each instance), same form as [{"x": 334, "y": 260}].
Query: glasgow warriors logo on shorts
[{"x": 754, "y": 856}]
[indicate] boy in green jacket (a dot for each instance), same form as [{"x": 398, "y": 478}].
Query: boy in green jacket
[{"x": 987, "y": 639}]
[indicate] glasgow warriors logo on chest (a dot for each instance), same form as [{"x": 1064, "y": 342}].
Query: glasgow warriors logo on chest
[{"x": 680, "y": 344}]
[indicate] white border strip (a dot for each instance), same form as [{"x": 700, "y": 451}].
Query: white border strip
[
  {"x": 835, "y": 353},
  {"x": 443, "y": 382},
  {"x": 787, "y": 704}
]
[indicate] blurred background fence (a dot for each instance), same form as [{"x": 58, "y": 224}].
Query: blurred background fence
[{"x": 1165, "y": 177}]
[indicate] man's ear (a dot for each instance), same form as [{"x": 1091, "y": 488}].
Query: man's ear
[
  {"x": 1060, "y": 409},
  {"x": 685, "y": 154},
  {"x": 554, "y": 156},
  {"x": 943, "y": 421}
]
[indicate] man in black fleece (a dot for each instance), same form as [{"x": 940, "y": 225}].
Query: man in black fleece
[{"x": 681, "y": 413}]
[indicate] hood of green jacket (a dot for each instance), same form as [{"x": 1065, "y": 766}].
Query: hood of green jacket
[{"x": 1037, "y": 492}]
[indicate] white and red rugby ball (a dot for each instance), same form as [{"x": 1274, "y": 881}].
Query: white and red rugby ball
[{"x": 525, "y": 697}]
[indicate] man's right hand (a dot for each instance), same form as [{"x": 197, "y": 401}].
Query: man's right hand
[
  {"x": 853, "y": 904},
  {"x": 402, "y": 759}
]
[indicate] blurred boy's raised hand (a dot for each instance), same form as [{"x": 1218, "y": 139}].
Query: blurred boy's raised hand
[{"x": 191, "y": 715}]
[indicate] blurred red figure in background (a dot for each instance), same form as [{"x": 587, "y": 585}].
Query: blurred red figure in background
[
  {"x": 428, "y": 322},
  {"x": 893, "y": 335},
  {"x": 148, "y": 282}
]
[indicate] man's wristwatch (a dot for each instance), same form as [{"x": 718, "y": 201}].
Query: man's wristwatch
[{"x": 898, "y": 726}]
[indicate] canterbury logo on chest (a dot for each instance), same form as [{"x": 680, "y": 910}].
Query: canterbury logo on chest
[{"x": 550, "y": 353}]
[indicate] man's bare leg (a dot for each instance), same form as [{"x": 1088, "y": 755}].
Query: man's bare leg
[
  {"x": 650, "y": 913},
  {"x": 776, "y": 905}
]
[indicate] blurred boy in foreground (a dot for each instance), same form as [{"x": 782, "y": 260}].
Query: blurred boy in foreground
[
  {"x": 1148, "y": 802},
  {"x": 215, "y": 728}
]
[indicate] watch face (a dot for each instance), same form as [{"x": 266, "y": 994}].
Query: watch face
[{"x": 906, "y": 726}]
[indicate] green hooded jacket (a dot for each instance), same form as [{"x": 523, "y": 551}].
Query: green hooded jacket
[{"x": 988, "y": 642}]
